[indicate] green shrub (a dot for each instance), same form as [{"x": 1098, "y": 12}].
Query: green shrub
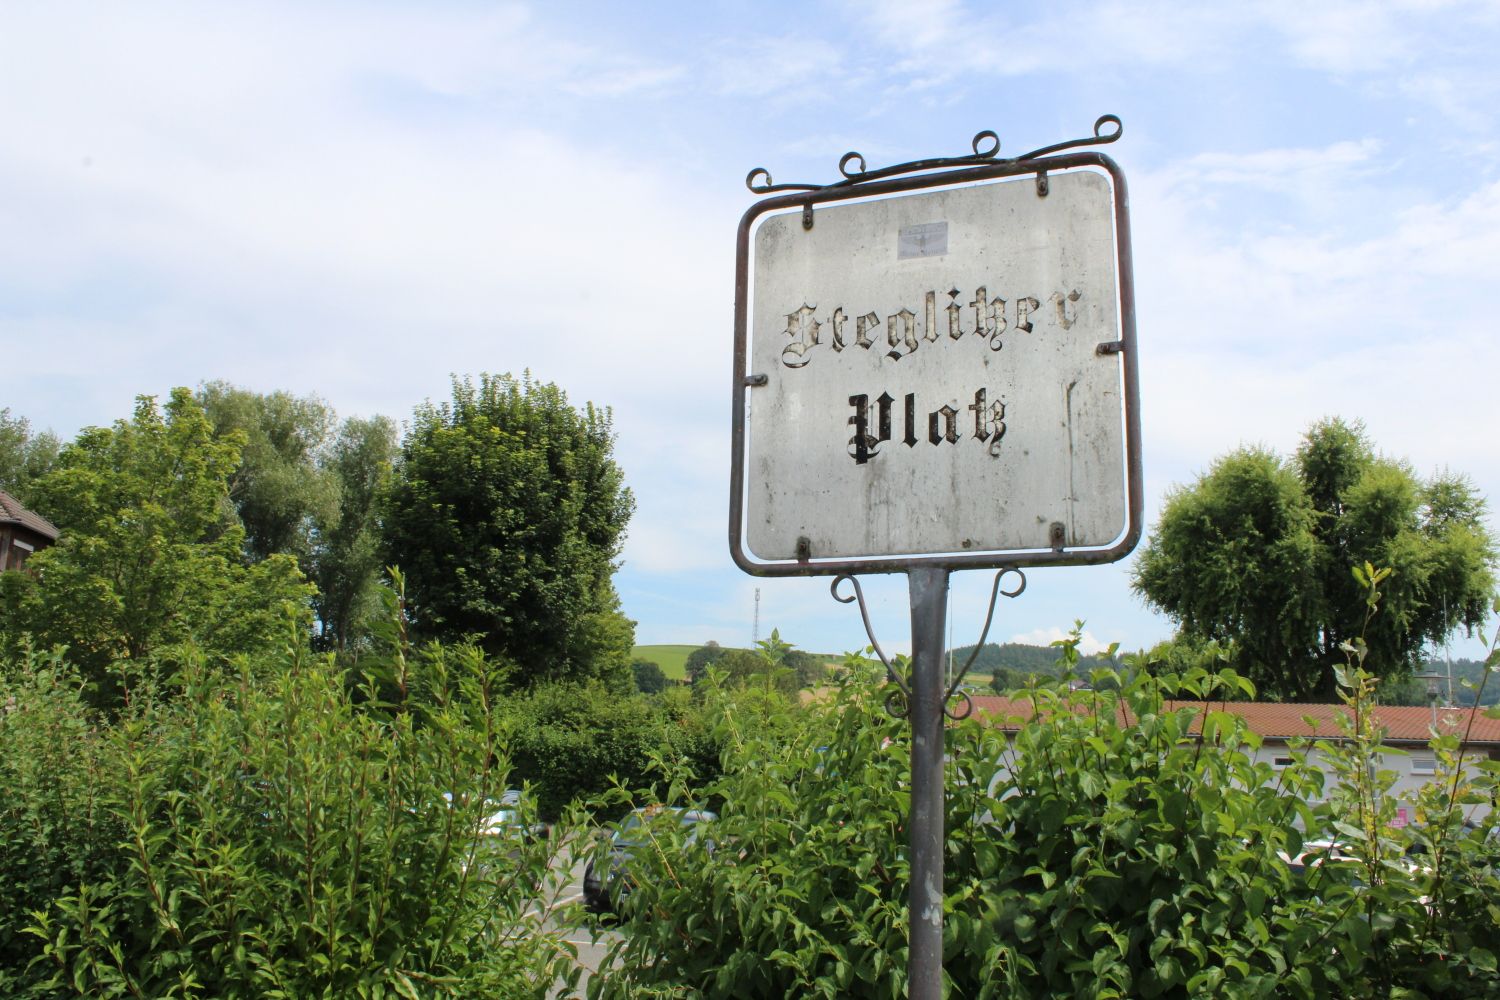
[
  {"x": 1422, "y": 906},
  {"x": 574, "y": 741},
  {"x": 55, "y": 830},
  {"x": 279, "y": 839},
  {"x": 1104, "y": 849}
]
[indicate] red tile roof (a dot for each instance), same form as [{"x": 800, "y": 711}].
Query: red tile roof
[
  {"x": 11, "y": 512},
  {"x": 1401, "y": 723}
]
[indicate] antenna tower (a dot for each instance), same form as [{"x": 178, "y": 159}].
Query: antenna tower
[{"x": 755, "y": 628}]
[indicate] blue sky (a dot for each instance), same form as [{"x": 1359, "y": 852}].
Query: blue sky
[{"x": 357, "y": 200}]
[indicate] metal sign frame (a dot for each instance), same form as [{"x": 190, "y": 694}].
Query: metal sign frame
[{"x": 951, "y": 172}]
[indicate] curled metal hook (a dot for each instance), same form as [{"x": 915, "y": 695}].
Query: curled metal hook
[
  {"x": 1099, "y": 138},
  {"x": 763, "y": 186},
  {"x": 903, "y": 693},
  {"x": 995, "y": 591},
  {"x": 844, "y": 165},
  {"x": 985, "y": 146}
]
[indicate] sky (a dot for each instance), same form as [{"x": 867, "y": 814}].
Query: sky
[{"x": 361, "y": 200}]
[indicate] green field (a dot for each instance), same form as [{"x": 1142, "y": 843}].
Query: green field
[{"x": 671, "y": 659}]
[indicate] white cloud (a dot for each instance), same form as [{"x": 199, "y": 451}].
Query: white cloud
[
  {"x": 1047, "y": 636},
  {"x": 1252, "y": 332},
  {"x": 359, "y": 200}
]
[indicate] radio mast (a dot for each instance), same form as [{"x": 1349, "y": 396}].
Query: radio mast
[{"x": 755, "y": 628}]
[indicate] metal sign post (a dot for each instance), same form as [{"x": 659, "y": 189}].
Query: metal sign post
[
  {"x": 935, "y": 369},
  {"x": 929, "y": 608}
]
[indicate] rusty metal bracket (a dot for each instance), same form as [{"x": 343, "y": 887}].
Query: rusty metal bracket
[
  {"x": 807, "y": 216},
  {"x": 898, "y": 702},
  {"x": 1042, "y": 185},
  {"x": 995, "y": 592},
  {"x": 1110, "y": 347},
  {"x": 985, "y": 146}
]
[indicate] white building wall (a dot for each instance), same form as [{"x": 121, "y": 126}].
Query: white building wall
[{"x": 1414, "y": 769}]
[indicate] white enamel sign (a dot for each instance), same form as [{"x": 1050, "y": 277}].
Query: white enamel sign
[{"x": 933, "y": 375}]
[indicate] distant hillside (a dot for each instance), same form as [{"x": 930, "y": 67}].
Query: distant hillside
[
  {"x": 673, "y": 659},
  {"x": 1021, "y": 658},
  {"x": 1466, "y": 677}
]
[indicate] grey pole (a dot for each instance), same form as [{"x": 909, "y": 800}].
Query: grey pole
[{"x": 929, "y": 605}]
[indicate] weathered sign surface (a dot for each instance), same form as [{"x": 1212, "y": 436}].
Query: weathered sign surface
[{"x": 934, "y": 380}]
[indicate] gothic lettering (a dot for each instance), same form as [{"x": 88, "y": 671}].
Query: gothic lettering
[
  {"x": 838, "y": 321},
  {"x": 885, "y": 402},
  {"x": 955, "y": 327},
  {"x": 1024, "y": 308},
  {"x": 907, "y": 337},
  {"x": 949, "y": 430},
  {"x": 1066, "y": 317},
  {"x": 942, "y": 424},
  {"x": 861, "y": 445},
  {"x": 803, "y": 328},
  {"x": 992, "y": 317}
]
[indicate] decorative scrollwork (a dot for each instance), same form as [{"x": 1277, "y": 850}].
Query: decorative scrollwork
[
  {"x": 995, "y": 592},
  {"x": 985, "y": 146},
  {"x": 898, "y": 702}
]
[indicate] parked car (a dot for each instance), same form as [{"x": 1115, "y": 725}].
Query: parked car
[
  {"x": 1315, "y": 853},
  {"x": 511, "y": 818},
  {"x": 606, "y": 878}
]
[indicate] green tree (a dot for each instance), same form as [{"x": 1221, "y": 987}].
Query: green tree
[
  {"x": 280, "y": 488},
  {"x": 150, "y": 553},
  {"x": 809, "y": 670},
  {"x": 346, "y": 558},
  {"x": 24, "y": 456},
  {"x": 308, "y": 486},
  {"x": 1257, "y": 553},
  {"x": 766, "y": 667},
  {"x": 1022, "y": 659},
  {"x": 700, "y": 659},
  {"x": 1007, "y": 679},
  {"x": 506, "y": 512},
  {"x": 649, "y": 677}
]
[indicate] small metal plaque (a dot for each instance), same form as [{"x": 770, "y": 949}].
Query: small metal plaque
[{"x": 929, "y": 239}]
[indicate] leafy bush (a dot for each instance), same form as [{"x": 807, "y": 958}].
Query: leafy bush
[
  {"x": 1419, "y": 907},
  {"x": 1104, "y": 849},
  {"x": 55, "y": 830},
  {"x": 278, "y": 839},
  {"x": 575, "y": 741}
]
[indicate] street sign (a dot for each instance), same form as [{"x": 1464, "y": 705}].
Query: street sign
[{"x": 937, "y": 375}]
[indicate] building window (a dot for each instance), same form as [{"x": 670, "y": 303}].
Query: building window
[
  {"x": 1282, "y": 761},
  {"x": 1424, "y": 765}
]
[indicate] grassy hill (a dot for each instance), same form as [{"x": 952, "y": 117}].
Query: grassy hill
[{"x": 671, "y": 659}]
